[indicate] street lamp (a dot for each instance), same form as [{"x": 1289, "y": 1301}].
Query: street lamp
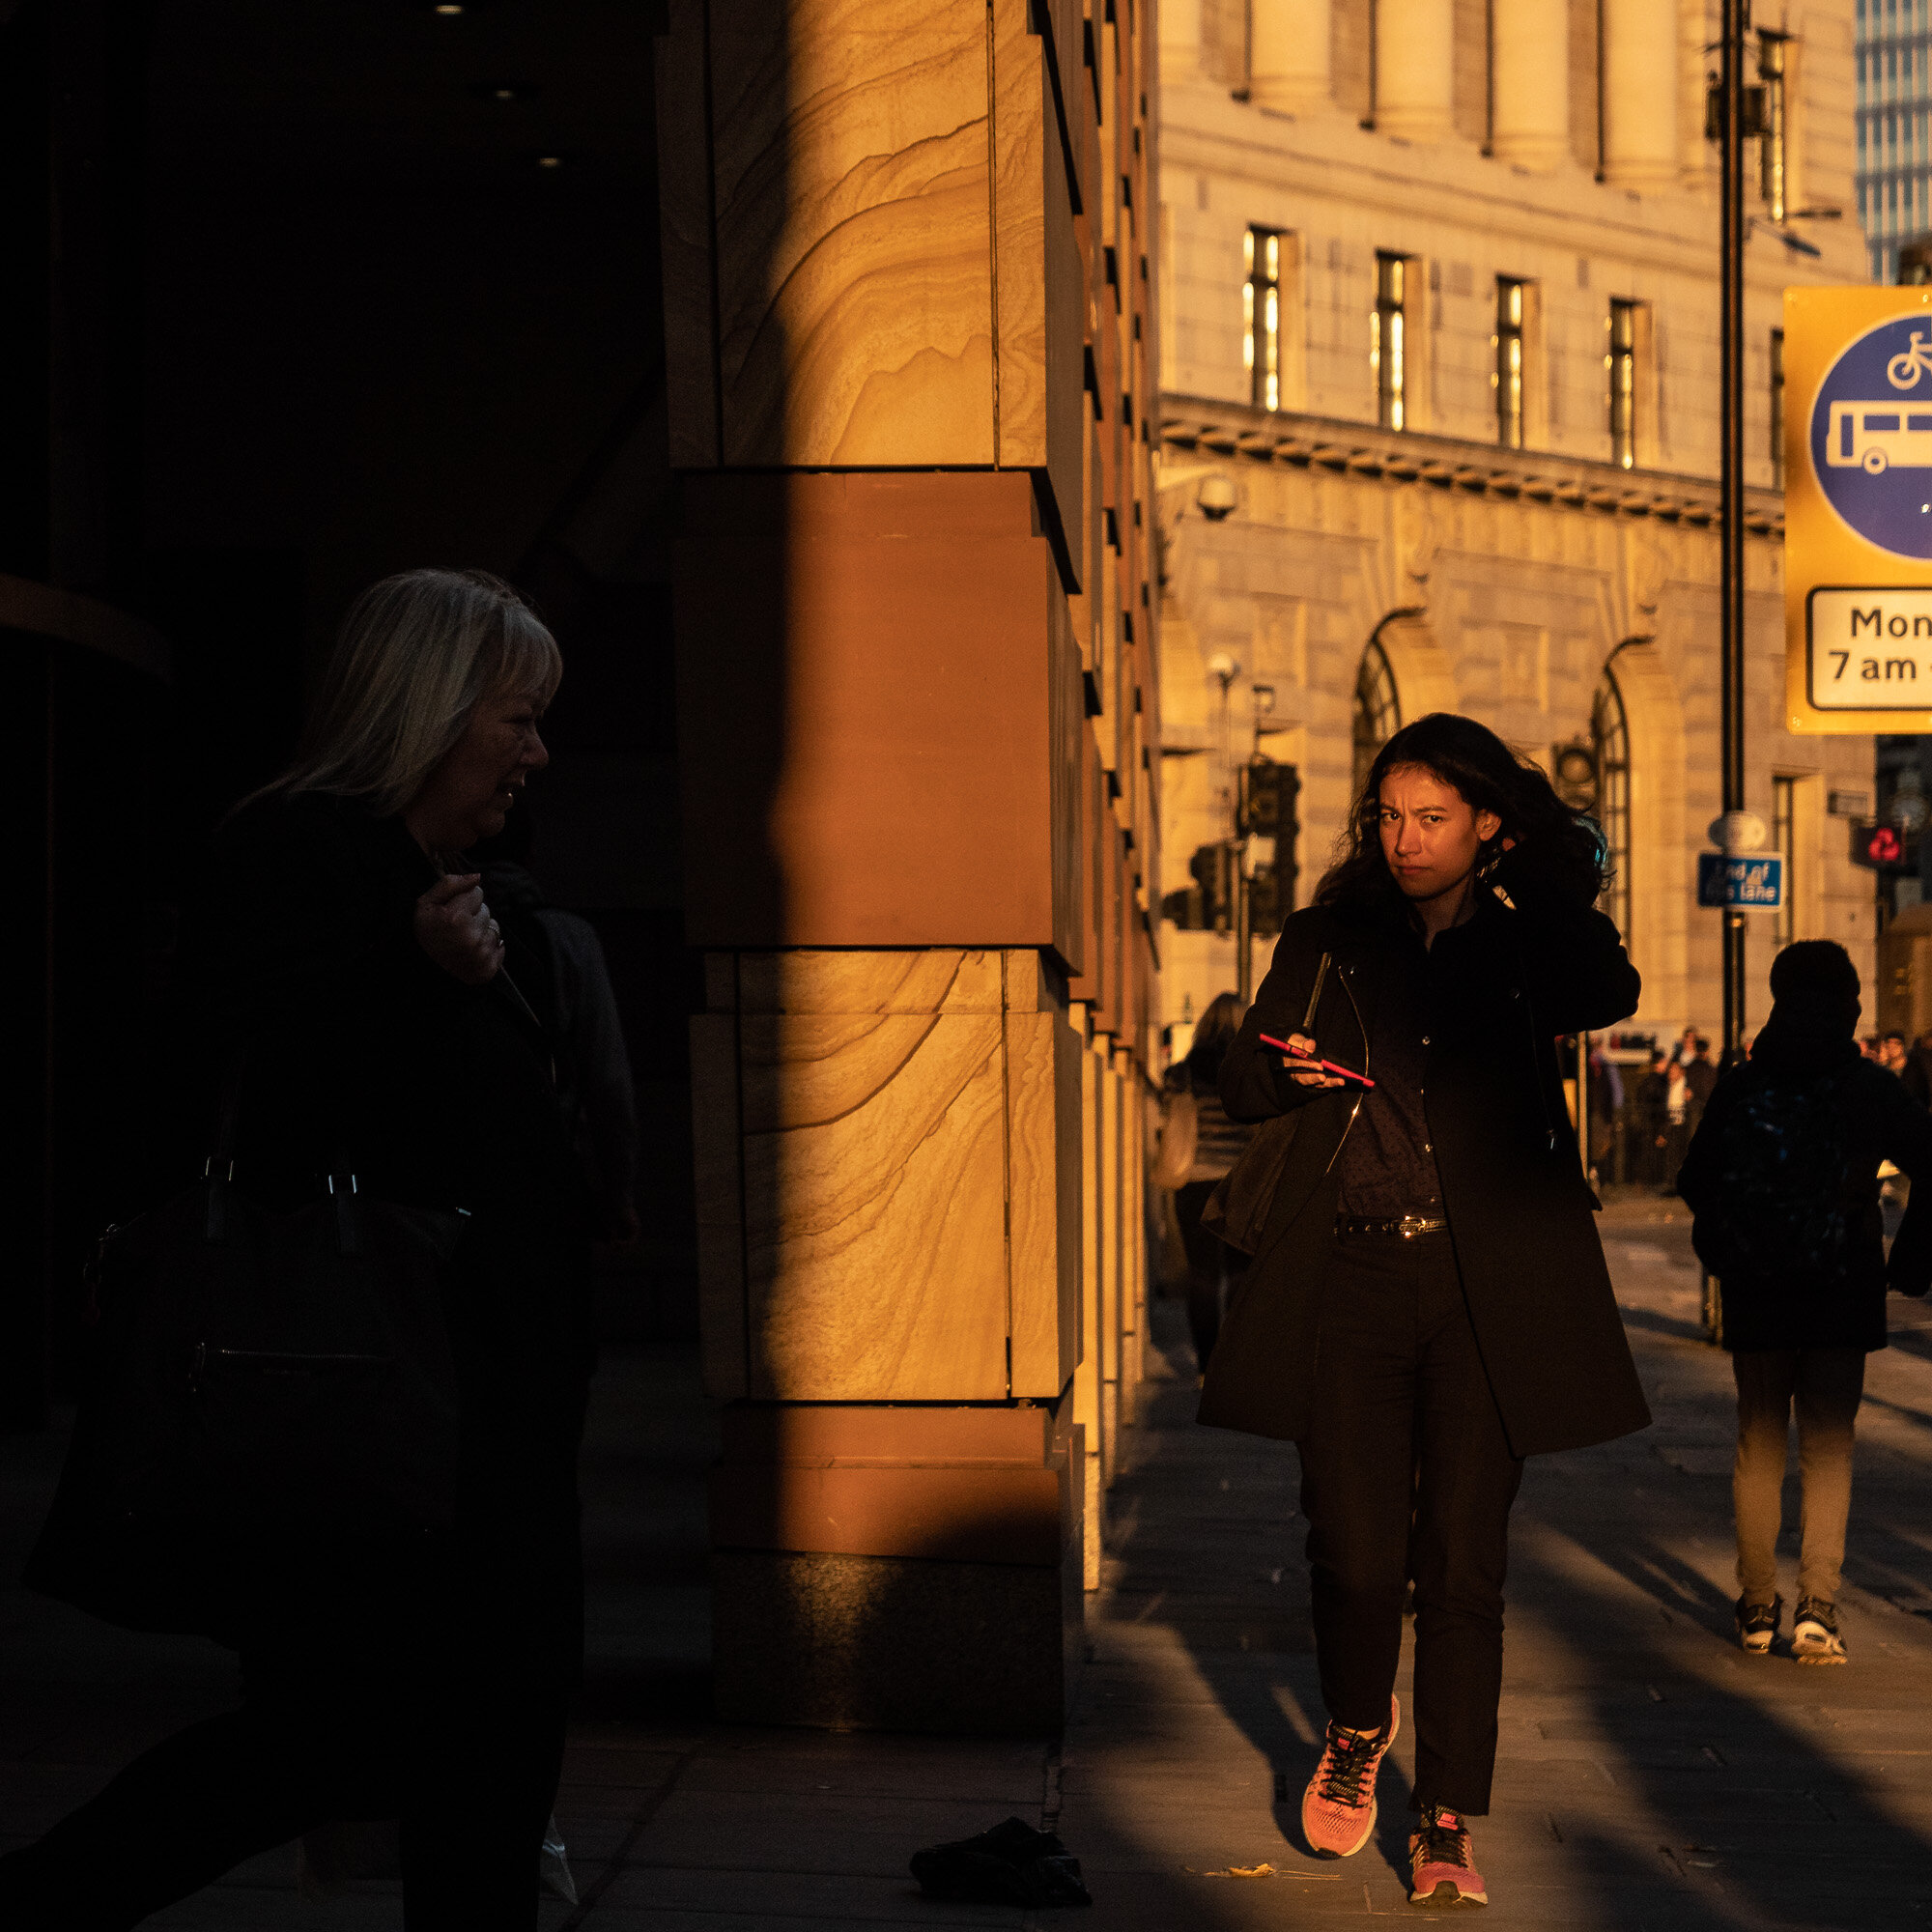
[{"x": 1731, "y": 488}]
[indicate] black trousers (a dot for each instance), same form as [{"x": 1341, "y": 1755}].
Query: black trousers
[
  {"x": 1406, "y": 1474},
  {"x": 1208, "y": 1257},
  {"x": 467, "y": 1757}
]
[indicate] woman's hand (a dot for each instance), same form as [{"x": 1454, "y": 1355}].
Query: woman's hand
[
  {"x": 1308, "y": 1075},
  {"x": 454, "y": 928}
]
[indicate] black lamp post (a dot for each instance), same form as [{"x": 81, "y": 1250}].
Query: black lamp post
[{"x": 1731, "y": 83}]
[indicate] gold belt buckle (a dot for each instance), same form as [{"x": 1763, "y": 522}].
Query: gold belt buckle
[{"x": 1413, "y": 1225}]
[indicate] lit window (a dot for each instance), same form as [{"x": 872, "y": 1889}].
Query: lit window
[
  {"x": 1621, "y": 363},
  {"x": 1771, "y": 148},
  {"x": 1260, "y": 315},
  {"x": 1385, "y": 341},
  {"x": 1508, "y": 376},
  {"x": 1778, "y": 408}
]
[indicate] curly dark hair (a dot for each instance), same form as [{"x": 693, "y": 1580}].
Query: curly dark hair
[{"x": 1568, "y": 845}]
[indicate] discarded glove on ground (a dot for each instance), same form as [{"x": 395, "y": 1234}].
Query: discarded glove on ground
[{"x": 1011, "y": 1864}]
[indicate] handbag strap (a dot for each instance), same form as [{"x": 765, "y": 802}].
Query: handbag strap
[{"x": 219, "y": 1172}]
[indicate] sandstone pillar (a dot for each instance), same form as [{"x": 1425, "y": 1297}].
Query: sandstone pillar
[
  {"x": 1289, "y": 51},
  {"x": 904, "y": 793},
  {"x": 1415, "y": 68},
  {"x": 1639, "y": 83},
  {"x": 1530, "y": 63}
]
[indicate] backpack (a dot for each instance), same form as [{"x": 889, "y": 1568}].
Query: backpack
[{"x": 1775, "y": 1199}]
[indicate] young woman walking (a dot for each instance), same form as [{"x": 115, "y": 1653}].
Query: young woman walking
[{"x": 1428, "y": 1302}]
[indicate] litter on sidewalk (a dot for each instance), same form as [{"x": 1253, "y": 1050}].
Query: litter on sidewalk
[{"x": 1011, "y": 1864}]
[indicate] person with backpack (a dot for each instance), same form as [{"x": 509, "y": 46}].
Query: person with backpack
[{"x": 1782, "y": 1182}]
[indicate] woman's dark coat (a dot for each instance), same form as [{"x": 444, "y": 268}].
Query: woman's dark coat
[
  {"x": 1520, "y": 1211},
  {"x": 357, "y": 1049},
  {"x": 1834, "y": 1300}
]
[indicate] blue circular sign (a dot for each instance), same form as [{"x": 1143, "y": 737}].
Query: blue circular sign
[{"x": 1871, "y": 435}]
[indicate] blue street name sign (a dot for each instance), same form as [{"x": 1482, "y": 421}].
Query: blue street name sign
[{"x": 1740, "y": 882}]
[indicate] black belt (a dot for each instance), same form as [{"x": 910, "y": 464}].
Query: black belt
[{"x": 1407, "y": 1226}]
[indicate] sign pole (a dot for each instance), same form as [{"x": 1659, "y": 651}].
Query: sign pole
[
  {"x": 1732, "y": 417},
  {"x": 1244, "y": 910}
]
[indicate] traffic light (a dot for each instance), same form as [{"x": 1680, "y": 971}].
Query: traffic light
[
  {"x": 1884, "y": 849},
  {"x": 1269, "y": 807},
  {"x": 1266, "y": 809},
  {"x": 1212, "y": 867},
  {"x": 1209, "y": 903}
]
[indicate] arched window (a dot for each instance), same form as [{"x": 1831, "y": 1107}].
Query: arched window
[
  {"x": 1610, "y": 736},
  {"x": 1377, "y": 713}
]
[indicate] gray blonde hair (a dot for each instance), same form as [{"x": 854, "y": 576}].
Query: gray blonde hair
[{"x": 417, "y": 653}]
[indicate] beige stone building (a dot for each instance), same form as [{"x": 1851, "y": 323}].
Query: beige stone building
[{"x": 1440, "y": 302}]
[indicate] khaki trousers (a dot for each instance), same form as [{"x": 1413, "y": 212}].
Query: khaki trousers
[{"x": 1826, "y": 1385}]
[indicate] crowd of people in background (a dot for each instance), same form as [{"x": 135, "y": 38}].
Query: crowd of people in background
[{"x": 1666, "y": 1102}]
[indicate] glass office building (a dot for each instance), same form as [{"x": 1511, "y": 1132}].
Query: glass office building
[{"x": 1895, "y": 70}]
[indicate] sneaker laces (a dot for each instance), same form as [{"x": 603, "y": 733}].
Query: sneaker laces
[
  {"x": 1442, "y": 1839},
  {"x": 1346, "y": 1763}
]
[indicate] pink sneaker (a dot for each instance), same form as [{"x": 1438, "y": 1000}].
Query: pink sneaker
[
  {"x": 1338, "y": 1809},
  {"x": 1441, "y": 1869}
]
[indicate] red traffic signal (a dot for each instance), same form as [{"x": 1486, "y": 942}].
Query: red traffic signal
[{"x": 1884, "y": 849}]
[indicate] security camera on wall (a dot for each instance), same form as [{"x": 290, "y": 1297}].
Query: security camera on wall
[{"x": 1217, "y": 496}]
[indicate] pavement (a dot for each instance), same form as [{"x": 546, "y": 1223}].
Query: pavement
[{"x": 1650, "y": 1775}]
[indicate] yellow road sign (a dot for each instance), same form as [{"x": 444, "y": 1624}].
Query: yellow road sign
[{"x": 1858, "y": 509}]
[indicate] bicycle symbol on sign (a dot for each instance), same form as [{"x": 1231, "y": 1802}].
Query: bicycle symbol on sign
[{"x": 1903, "y": 370}]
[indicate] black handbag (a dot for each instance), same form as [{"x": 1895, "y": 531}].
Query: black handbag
[
  {"x": 1237, "y": 1209},
  {"x": 270, "y": 1407}
]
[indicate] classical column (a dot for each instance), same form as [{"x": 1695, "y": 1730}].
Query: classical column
[
  {"x": 1287, "y": 53},
  {"x": 1639, "y": 83},
  {"x": 1415, "y": 68},
  {"x": 1530, "y": 63},
  {"x": 887, "y": 563},
  {"x": 1179, "y": 38}
]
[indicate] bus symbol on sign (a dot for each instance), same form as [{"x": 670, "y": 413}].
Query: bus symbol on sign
[
  {"x": 1871, "y": 435},
  {"x": 1858, "y": 510},
  {"x": 1878, "y": 436}
]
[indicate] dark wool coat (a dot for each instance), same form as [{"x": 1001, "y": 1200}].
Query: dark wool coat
[
  {"x": 1833, "y": 1300},
  {"x": 1520, "y": 1211},
  {"x": 300, "y": 950}
]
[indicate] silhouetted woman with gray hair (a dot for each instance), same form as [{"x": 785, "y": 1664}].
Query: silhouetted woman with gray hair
[{"x": 341, "y": 951}]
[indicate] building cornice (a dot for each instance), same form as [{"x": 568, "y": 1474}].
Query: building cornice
[{"x": 1450, "y": 463}]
